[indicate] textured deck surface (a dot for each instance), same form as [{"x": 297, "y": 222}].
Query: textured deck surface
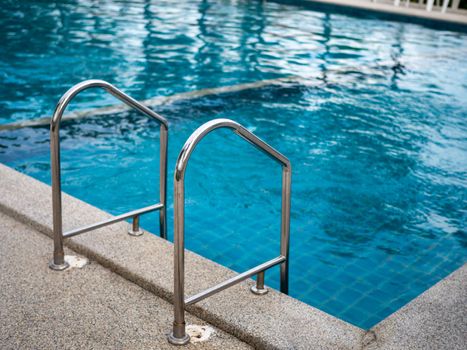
[
  {"x": 437, "y": 319},
  {"x": 88, "y": 308}
]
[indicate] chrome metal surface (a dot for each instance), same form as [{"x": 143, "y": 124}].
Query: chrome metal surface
[
  {"x": 234, "y": 280},
  {"x": 57, "y": 267},
  {"x": 113, "y": 220},
  {"x": 179, "y": 222},
  {"x": 259, "y": 288},
  {"x": 58, "y": 257},
  {"x": 178, "y": 341},
  {"x": 135, "y": 229}
]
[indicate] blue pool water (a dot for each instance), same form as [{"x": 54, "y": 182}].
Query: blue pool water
[{"x": 374, "y": 123}]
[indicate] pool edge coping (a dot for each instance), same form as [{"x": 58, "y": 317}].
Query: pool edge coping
[
  {"x": 435, "y": 15},
  {"x": 263, "y": 322},
  {"x": 435, "y": 319}
]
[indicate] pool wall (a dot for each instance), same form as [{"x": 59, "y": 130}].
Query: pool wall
[{"x": 274, "y": 321}]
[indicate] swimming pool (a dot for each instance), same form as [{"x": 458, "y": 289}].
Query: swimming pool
[{"x": 372, "y": 117}]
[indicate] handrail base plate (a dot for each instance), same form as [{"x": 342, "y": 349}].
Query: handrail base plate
[
  {"x": 258, "y": 291},
  {"x": 178, "y": 341},
  {"x": 135, "y": 233},
  {"x": 58, "y": 267}
]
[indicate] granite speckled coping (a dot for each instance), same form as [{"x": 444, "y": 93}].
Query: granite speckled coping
[
  {"x": 435, "y": 320},
  {"x": 81, "y": 308}
]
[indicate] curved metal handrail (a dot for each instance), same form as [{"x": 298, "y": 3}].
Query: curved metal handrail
[
  {"x": 178, "y": 335},
  {"x": 58, "y": 262},
  {"x": 203, "y": 130},
  {"x": 87, "y": 84}
]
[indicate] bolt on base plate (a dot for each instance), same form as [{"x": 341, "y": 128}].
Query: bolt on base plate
[
  {"x": 58, "y": 267},
  {"x": 258, "y": 291},
  {"x": 135, "y": 233},
  {"x": 178, "y": 341}
]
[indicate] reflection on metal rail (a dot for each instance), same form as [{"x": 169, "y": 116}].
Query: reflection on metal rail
[
  {"x": 58, "y": 262},
  {"x": 179, "y": 335}
]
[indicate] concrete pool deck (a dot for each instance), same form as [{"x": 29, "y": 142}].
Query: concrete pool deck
[
  {"x": 82, "y": 308},
  {"x": 121, "y": 300},
  {"x": 458, "y": 16}
]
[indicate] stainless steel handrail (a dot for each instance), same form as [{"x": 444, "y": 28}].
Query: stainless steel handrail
[
  {"x": 58, "y": 262},
  {"x": 179, "y": 335}
]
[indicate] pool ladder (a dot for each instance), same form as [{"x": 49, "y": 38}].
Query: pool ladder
[
  {"x": 178, "y": 336},
  {"x": 58, "y": 262}
]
